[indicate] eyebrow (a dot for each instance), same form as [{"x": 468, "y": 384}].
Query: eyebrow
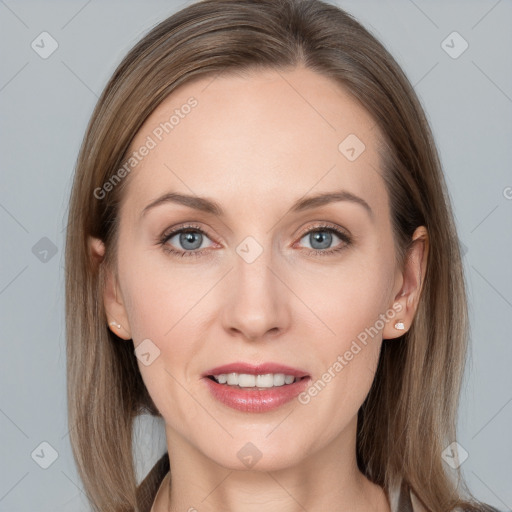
[{"x": 210, "y": 206}]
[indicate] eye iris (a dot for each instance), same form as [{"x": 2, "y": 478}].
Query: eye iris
[
  {"x": 323, "y": 237},
  {"x": 188, "y": 237}
]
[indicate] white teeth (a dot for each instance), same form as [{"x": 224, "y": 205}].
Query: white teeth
[
  {"x": 279, "y": 379},
  {"x": 288, "y": 379},
  {"x": 245, "y": 380},
  {"x": 232, "y": 379},
  {"x": 265, "y": 381}
]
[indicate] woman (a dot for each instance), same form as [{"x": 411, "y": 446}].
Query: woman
[{"x": 261, "y": 251}]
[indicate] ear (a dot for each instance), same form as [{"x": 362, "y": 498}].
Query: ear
[
  {"x": 410, "y": 285},
  {"x": 112, "y": 298}
]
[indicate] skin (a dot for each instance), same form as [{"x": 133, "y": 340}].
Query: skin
[{"x": 256, "y": 144}]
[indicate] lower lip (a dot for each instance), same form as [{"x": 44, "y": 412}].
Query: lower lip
[{"x": 253, "y": 399}]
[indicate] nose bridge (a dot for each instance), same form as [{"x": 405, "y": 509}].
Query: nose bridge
[{"x": 258, "y": 299}]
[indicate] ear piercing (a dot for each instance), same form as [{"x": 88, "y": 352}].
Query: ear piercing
[
  {"x": 115, "y": 324},
  {"x": 400, "y": 326}
]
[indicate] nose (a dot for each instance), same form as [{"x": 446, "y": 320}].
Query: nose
[{"x": 257, "y": 301}]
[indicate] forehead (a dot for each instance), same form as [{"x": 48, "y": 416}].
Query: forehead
[{"x": 262, "y": 137}]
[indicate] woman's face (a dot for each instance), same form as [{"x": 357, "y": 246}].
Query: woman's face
[{"x": 259, "y": 279}]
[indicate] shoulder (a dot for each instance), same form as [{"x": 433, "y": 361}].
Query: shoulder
[
  {"x": 147, "y": 489},
  {"x": 418, "y": 507},
  {"x": 403, "y": 499}
]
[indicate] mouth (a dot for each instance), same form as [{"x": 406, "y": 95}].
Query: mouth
[
  {"x": 255, "y": 388},
  {"x": 248, "y": 375}
]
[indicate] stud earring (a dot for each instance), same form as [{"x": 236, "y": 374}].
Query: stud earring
[
  {"x": 115, "y": 325},
  {"x": 400, "y": 326}
]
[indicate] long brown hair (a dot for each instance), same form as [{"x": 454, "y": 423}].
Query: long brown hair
[{"x": 409, "y": 416}]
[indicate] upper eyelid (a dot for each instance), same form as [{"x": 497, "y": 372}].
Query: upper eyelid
[{"x": 326, "y": 226}]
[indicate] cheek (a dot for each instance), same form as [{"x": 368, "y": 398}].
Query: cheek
[
  {"x": 162, "y": 305},
  {"x": 161, "y": 301},
  {"x": 160, "y": 297},
  {"x": 352, "y": 305},
  {"x": 347, "y": 298}
]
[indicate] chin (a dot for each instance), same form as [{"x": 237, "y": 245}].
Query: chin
[{"x": 256, "y": 452}]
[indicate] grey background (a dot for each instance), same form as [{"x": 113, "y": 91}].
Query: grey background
[{"x": 45, "y": 105}]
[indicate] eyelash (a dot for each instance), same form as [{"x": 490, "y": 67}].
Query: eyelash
[{"x": 199, "y": 252}]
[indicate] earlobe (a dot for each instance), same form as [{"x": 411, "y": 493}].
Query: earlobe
[
  {"x": 396, "y": 326},
  {"x": 399, "y": 326},
  {"x": 112, "y": 299},
  {"x": 114, "y": 306},
  {"x": 413, "y": 275},
  {"x": 119, "y": 330}
]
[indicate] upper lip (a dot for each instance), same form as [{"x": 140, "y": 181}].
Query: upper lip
[{"x": 256, "y": 369}]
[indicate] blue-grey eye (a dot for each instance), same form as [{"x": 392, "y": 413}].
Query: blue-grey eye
[
  {"x": 187, "y": 240},
  {"x": 320, "y": 239},
  {"x": 323, "y": 238},
  {"x": 191, "y": 240}
]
